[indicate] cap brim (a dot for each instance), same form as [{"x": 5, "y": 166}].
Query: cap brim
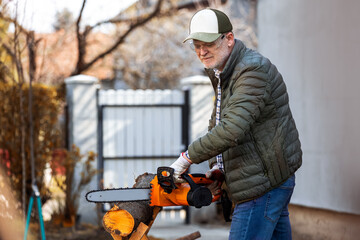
[{"x": 204, "y": 37}]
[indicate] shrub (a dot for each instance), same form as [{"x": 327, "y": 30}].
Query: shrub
[{"x": 47, "y": 133}]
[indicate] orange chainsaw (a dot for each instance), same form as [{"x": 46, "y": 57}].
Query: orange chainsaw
[{"x": 163, "y": 191}]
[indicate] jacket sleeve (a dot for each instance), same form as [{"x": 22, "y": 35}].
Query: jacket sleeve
[{"x": 241, "y": 111}]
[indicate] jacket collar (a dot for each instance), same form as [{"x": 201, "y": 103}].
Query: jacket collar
[{"x": 236, "y": 53}]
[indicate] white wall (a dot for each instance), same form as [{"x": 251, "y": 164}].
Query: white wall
[{"x": 316, "y": 47}]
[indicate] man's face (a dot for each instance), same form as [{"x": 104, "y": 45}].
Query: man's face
[{"x": 213, "y": 54}]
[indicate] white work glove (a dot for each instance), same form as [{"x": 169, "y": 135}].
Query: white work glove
[
  {"x": 180, "y": 166},
  {"x": 218, "y": 176}
]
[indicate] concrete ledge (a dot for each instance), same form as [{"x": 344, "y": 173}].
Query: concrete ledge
[
  {"x": 81, "y": 79},
  {"x": 311, "y": 223}
]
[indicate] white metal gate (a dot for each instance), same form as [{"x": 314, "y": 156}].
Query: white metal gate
[
  {"x": 97, "y": 124},
  {"x": 139, "y": 130}
]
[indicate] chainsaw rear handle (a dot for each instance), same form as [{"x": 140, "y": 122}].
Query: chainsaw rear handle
[{"x": 165, "y": 177}]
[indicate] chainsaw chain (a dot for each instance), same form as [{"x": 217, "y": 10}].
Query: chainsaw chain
[{"x": 111, "y": 189}]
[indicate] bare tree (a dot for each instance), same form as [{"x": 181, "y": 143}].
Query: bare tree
[
  {"x": 157, "y": 10},
  {"x": 15, "y": 52},
  {"x": 14, "y": 47}
]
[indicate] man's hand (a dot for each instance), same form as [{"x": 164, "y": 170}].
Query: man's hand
[
  {"x": 215, "y": 174},
  {"x": 218, "y": 176},
  {"x": 180, "y": 166}
]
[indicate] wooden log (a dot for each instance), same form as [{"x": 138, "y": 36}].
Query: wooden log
[
  {"x": 191, "y": 236},
  {"x": 140, "y": 210},
  {"x": 123, "y": 215}
]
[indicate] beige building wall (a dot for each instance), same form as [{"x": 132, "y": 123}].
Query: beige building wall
[{"x": 316, "y": 47}]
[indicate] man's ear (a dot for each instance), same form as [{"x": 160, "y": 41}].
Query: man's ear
[{"x": 230, "y": 38}]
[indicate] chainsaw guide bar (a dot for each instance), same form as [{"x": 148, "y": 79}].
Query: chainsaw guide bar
[{"x": 118, "y": 195}]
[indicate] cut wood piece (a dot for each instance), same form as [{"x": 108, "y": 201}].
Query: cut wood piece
[
  {"x": 139, "y": 233},
  {"x": 118, "y": 222}
]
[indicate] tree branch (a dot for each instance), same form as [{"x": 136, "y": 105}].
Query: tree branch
[
  {"x": 139, "y": 22},
  {"x": 187, "y": 5},
  {"x": 81, "y": 40},
  {"x": 31, "y": 43}
]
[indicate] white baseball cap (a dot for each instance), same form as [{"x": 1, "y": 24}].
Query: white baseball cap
[{"x": 208, "y": 24}]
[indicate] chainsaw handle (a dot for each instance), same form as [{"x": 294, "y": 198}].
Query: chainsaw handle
[
  {"x": 199, "y": 178},
  {"x": 166, "y": 179}
]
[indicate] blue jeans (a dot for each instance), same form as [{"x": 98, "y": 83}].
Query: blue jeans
[{"x": 266, "y": 217}]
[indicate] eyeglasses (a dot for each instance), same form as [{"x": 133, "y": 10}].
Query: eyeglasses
[{"x": 209, "y": 46}]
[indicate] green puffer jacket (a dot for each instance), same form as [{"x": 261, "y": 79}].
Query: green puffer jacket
[{"x": 257, "y": 133}]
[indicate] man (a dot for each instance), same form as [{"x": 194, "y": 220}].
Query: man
[{"x": 252, "y": 136}]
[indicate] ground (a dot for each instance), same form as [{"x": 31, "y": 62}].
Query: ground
[
  {"x": 89, "y": 232},
  {"x": 83, "y": 232},
  {"x": 307, "y": 224}
]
